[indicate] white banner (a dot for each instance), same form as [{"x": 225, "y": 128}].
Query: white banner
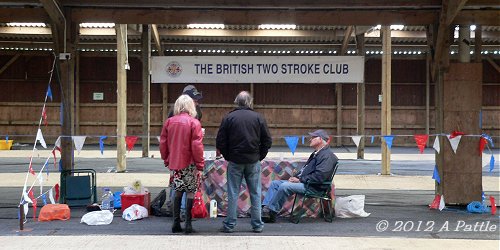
[{"x": 257, "y": 69}]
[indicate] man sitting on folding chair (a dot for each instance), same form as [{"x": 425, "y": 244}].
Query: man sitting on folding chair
[{"x": 318, "y": 168}]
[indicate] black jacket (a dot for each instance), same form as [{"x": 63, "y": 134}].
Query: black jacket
[
  {"x": 318, "y": 168},
  {"x": 243, "y": 136}
]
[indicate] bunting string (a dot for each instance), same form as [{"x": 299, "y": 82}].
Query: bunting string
[{"x": 42, "y": 115}]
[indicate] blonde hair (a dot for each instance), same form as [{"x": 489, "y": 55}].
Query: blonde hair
[{"x": 185, "y": 104}]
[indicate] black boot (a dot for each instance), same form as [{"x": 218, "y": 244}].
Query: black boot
[
  {"x": 189, "y": 227},
  {"x": 176, "y": 226}
]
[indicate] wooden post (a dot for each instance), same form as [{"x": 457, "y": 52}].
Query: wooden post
[
  {"x": 338, "y": 90},
  {"x": 67, "y": 124},
  {"x": 77, "y": 92},
  {"x": 121, "y": 98},
  {"x": 360, "y": 101},
  {"x": 21, "y": 217},
  {"x": 478, "y": 44},
  {"x": 439, "y": 157},
  {"x": 427, "y": 92},
  {"x": 386, "y": 97},
  {"x": 464, "y": 43},
  {"x": 146, "y": 88},
  {"x": 164, "y": 92}
]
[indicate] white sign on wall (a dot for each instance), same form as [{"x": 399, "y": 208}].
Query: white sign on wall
[
  {"x": 257, "y": 69},
  {"x": 98, "y": 96}
]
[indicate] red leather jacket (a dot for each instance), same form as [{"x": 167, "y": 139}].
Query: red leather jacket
[{"x": 181, "y": 142}]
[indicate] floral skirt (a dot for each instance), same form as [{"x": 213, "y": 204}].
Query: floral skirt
[{"x": 186, "y": 180}]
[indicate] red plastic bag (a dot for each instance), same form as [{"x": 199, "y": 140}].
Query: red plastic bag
[
  {"x": 51, "y": 212},
  {"x": 199, "y": 209}
]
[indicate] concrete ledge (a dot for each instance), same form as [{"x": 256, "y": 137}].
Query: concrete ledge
[
  {"x": 490, "y": 183},
  {"x": 237, "y": 242}
]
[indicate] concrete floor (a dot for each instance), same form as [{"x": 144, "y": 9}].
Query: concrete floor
[{"x": 398, "y": 202}]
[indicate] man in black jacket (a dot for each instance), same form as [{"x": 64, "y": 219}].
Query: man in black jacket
[
  {"x": 244, "y": 140},
  {"x": 318, "y": 168}
]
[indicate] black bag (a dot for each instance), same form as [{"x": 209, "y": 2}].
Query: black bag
[{"x": 157, "y": 203}]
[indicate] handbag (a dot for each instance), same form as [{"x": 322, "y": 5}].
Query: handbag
[{"x": 199, "y": 210}]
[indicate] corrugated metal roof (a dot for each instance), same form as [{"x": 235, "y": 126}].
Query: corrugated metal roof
[{"x": 305, "y": 37}]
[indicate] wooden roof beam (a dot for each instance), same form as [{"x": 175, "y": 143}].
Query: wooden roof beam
[
  {"x": 493, "y": 63},
  {"x": 10, "y": 62},
  {"x": 256, "y": 16},
  {"x": 8, "y": 15},
  {"x": 54, "y": 11},
  {"x": 449, "y": 11},
  {"x": 454, "y": 8},
  {"x": 58, "y": 24},
  {"x": 345, "y": 42},
  {"x": 156, "y": 38}
]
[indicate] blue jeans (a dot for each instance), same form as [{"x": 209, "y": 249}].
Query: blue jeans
[
  {"x": 183, "y": 202},
  {"x": 278, "y": 193},
  {"x": 235, "y": 174}
]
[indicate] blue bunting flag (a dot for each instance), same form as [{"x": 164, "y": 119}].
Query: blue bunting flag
[
  {"x": 435, "y": 175},
  {"x": 488, "y": 138},
  {"x": 49, "y": 93},
  {"x": 492, "y": 163},
  {"x": 101, "y": 143},
  {"x": 44, "y": 199},
  {"x": 292, "y": 142},
  {"x": 388, "y": 140}
]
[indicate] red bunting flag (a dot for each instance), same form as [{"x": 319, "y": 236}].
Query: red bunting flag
[
  {"x": 130, "y": 140},
  {"x": 33, "y": 199},
  {"x": 31, "y": 167},
  {"x": 44, "y": 116},
  {"x": 482, "y": 144},
  {"x": 421, "y": 141},
  {"x": 56, "y": 187},
  {"x": 435, "y": 202},
  {"x": 455, "y": 134},
  {"x": 493, "y": 205},
  {"x": 55, "y": 158}
]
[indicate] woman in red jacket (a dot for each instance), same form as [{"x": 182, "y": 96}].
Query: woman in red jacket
[{"x": 181, "y": 149}]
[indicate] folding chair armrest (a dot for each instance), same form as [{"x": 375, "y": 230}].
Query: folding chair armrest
[{"x": 318, "y": 183}]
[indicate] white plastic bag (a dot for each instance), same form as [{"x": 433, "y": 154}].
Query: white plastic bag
[
  {"x": 350, "y": 206},
  {"x": 135, "y": 212},
  {"x": 96, "y": 218}
]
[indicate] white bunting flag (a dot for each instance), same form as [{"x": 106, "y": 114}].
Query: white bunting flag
[
  {"x": 26, "y": 197},
  {"x": 356, "y": 139},
  {"x": 39, "y": 137},
  {"x": 79, "y": 141},
  {"x": 26, "y": 208},
  {"x": 441, "y": 203},
  {"x": 158, "y": 138},
  {"x": 40, "y": 180},
  {"x": 51, "y": 197},
  {"x": 454, "y": 142},
  {"x": 436, "y": 144},
  {"x": 58, "y": 142}
]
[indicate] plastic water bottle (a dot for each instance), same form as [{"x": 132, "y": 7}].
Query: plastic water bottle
[
  {"x": 108, "y": 200},
  {"x": 213, "y": 209}
]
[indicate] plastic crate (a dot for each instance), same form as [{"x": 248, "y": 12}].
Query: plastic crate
[
  {"x": 6, "y": 145},
  {"x": 139, "y": 199}
]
